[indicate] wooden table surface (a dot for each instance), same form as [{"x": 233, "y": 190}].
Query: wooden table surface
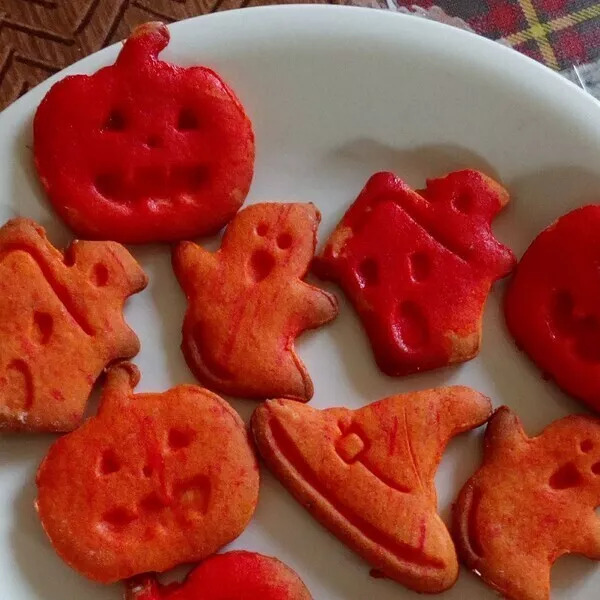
[{"x": 40, "y": 37}]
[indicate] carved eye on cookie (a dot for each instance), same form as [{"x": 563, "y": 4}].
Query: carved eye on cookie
[{"x": 577, "y": 473}]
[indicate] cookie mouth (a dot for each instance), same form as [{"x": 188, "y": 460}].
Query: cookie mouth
[
  {"x": 292, "y": 460},
  {"x": 151, "y": 182}
]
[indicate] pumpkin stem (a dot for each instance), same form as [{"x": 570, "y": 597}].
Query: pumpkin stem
[
  {"x": 121, "y": 379},
  {"x": 145, "y": 42}
]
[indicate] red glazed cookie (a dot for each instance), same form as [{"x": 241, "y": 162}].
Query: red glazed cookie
[
  {"x": 144, "y": 150},
  {"x": 153, "y": 481},
  {"x": 61, "y": 323},
  {"x": 232, "y": 576},
  {"x": 552, "y": 305},
  {"x": 368, "y": 475},
  {"x": 248, "y": 303},
  {"x": 418, "y": 266},
  {"x": 531, "y": 501}
]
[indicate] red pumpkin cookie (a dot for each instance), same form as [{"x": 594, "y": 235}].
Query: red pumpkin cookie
[
  {"x": 143, "y": 150},
  {"x": 61, "y": 323},
  {"x": 531, "y": 501},
  {"x": 552, "y": 305},
  {"x": 248, "y": 302},
  {"x": 418, "y": 266},
  {"x": 153, "y": 481},
  {"x": 368, "y": 475},
  {"x": 236, "y": 575}
]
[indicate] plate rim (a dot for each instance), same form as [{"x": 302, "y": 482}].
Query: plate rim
[
  {"x": 363, "y": 15},
  {"x": 24, "y": 107}
]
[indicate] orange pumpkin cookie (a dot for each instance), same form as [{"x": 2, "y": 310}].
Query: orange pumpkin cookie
[
  {"x": 368, "y": 475},
  {"x": 418, "y": 266},
  {"x": 248, "y": 302},
  {"x": 61, "y": 323},
  {"x": 153, "y": 481},
  {"x": 531, "y": 501},
  {"x": 234, "y": 575}
]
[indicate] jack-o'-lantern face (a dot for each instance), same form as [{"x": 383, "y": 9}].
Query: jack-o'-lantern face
[
  {"x": 144, "y": 150},
  {"x": 162, "y": 479},
  {"x": 552, "y": 306},
  {"x": 532, "y": 500}
]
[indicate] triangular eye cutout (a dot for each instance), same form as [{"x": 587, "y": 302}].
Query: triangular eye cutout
[
  {"x": 344, "y": 466},
  {"x": 418, "y": 266}
]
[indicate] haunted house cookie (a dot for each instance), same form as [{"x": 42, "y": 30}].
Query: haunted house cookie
[
  {"x": 552, "y": 305},
  {"x": 531, "y": 501},
  {"x": 418, "y": 266},
  {"x": 143, "y": 150},
  {"x": 153, "y": 481},
  {"x": 248, "y": 302},
  {"x": 368, "y": 475},
  {"x": 235, "y": 575},
  {"x": 61, "y": 323}
]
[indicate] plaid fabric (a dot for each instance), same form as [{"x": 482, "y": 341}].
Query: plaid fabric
[{"x": 559, "y": 33}]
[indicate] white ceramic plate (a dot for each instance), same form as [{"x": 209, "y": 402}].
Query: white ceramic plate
[{"x": 335, "y": 95}]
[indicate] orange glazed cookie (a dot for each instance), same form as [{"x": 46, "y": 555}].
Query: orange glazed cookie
[
  {"x": 231, "y": 576},
  {"x": 248, "y": 302},
  {"x": 368, "y": 475},
  {"x": 531, "y": 501},
  {"x": 61, "y": 323},
  {"x": 153, "y": 481},
  {"x": 418, "y": 266}
]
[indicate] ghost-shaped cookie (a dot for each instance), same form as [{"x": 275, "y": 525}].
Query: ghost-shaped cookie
[
  {"x": 531, "y": 501},
  {"x": 552, "y": 305},
  {"x": 144, "y": 150},
  {"x": 248, "y": 302},
  {"x": 61, "y": 324},
  {"x": 368, "y": 474}
]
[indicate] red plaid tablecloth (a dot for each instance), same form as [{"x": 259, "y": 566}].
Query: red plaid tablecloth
[
  {"x": 40, "y": 37},
  {"x": 558, "y": 33}
]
